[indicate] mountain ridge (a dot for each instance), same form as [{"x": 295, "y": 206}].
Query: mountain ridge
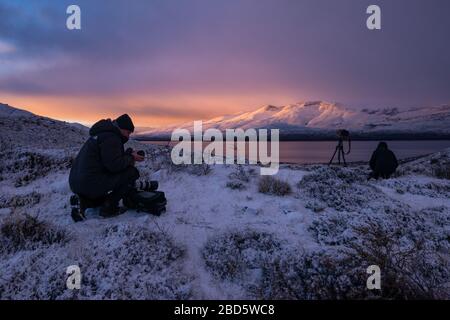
[
  {"x": 309, "y": 120},
  {"x": 317, "y": 120}
]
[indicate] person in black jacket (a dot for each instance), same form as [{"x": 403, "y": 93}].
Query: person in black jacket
[
  {"x": 103, "y": 173},
  {"x": 383, "y": 162}
]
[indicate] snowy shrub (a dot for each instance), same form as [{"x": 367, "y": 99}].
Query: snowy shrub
[
  {"x": 435, "y": 165},
  {"x": 343, "y": 189},
  {"x": 24, "y": 232},
  {"x": 161, "y": 159},
  {"x": 411, "y": 273},
  {"x": 411, "y": 247},
  {"x": 240, "y": 177},
  {"x": 274, "y": 186},
  {"x": 234, "y": 255},
  {"x": 332, "y": 228},
  {"x": 266, "y": 268},
  {"x": 410, "y": 268},
  {"x": 199, "y": 169},
  {"x": 337, "y": 228},
  {"x": 294, "y": 274},
  {"x": 202, "y": 169},
  {"x": 315, "y": 205},
  {"x": 20, "y": 200},
  {"x": 36, "y": 275},
  {"x": 28, "y": 166},
  {"x": 433, "y": 189},
  {"x": 123, "y": 262},
  {"x": 242, "y": 173},
  {"x": 442, "y": 171},
  {"x": 131, "y": 262},
  {"x": 235, "y": 185}
]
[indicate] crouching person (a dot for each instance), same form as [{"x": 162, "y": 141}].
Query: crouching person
[
  {"x": 103, "y": 173},
  {"x": 383, "y": 162}
]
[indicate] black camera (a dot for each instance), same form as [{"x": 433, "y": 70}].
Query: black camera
[
  {"x": 343, "y": 134},
  {"x": 130, "y": 151}
]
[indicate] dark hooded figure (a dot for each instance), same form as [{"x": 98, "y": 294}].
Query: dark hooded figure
[
  {"x": 103, "y": 173},
  {"x": 383, "y": 162}
]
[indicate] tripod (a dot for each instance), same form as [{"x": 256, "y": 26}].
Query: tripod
[{"x": 340, "y": 152}]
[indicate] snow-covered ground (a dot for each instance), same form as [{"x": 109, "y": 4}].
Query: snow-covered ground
[{"x": 221, "y": 238}]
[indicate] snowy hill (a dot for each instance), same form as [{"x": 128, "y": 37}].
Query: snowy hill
[
  {"x": 23, "y": 129},
  {"x": 317, "y": 119},
  {"x": 8, "y": 111}
]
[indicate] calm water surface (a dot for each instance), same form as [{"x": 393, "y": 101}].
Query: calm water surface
[{"x": 321, "y": 151}]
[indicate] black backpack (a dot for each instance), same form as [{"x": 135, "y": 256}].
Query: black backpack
[{"x": 153, "y": 202}]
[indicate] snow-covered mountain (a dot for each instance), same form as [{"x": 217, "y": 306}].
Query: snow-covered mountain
[{"x": 317, "y": 119}]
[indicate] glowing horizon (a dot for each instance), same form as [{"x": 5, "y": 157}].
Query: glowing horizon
[{"x": 85, "y": 110}]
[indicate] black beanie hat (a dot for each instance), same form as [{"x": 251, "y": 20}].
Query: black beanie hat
[{"x": 124, "y": 122}]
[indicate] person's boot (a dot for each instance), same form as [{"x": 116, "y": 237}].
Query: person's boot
[
  {"x": 77, "y": 213},
  {"x": 129, "y": 200},
  {"x": 84, "y": 204},
  {"x": 110, "y": 208}
]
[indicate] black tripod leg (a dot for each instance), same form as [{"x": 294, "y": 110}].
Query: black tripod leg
[
  {"x": 343, "y": 157},
  {"x": 333, "y": 156},
  {"x": 339, "y": 156}
]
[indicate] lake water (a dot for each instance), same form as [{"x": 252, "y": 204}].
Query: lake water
[{"x": 322, "y": 151}]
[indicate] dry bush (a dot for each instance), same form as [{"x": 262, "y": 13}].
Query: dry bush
[
  {"x": 25, "y": 167},
  {"x": 22, "y": 231},
  {"x": 410, "y": 247},
  {"x": 299, "y": 275},
  {"x": 442, "y": 171},
  {"x": 242, "y": 173},
  {"x": 436, "y": 165},
  {"x": 145, "y": 264},
  {"x": 344, "y": 189},
  {"x": 235, "y": 185},
  {"x": 274, "y": 186},
  {"x": 122, "y": 261},
  {"x": 231, "y": 255},
  {"x": 16, "y": 201},
  {"x": 240, "y": 177},
  {"x": 412, "y": 272},
  {"x": 409, "y": 271}
]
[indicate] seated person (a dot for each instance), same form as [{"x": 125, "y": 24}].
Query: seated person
[
  {"x": 383, "y": 162},
  {"x": 103, "y": 173}
]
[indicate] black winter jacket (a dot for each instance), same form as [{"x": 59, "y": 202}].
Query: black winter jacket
[
  {"x": 383, "y": 161},
  {"x": 99, "y": 161}
]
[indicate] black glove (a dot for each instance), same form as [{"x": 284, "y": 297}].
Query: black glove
[{"x": 129, "y": 151}]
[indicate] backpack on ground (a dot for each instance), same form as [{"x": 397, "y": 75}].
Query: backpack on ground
[{"x": 153, "y": 202}]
